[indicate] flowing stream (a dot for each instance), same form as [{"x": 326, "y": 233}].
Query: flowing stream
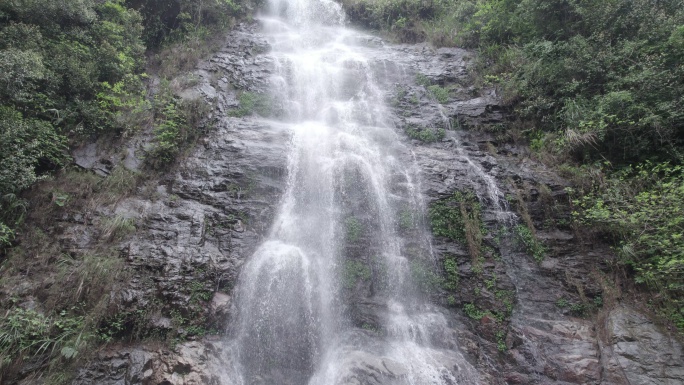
[{"x": 333, "y": 294}]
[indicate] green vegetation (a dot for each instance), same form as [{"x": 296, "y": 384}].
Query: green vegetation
[
  {"x": 533, "y": 246},
  {"x": 451, "y": 276},
  {"x": 473, "y": 312},
  {"x": 168, "y": 21},
  {"x": 642, "y": 208},
  {"x": 198, "y": 292},
  {"x": 580, "y": 308},
  {"x": 74, "y": 70},
  {"x": 72, "y": 328},
  {"x": 401, "y": 94},
  {"x": 446, "y": 218},
  {"x": 167, "y": 134},
  {"x": 176, "y": 125},
  {"x": 506, "y": 298},
  {"x": 67, "y": 69},
  {"x": 25, "y": 333},
  {"x": 423, "y": 80},
  {"x": 26, "y": 144},
  {"x": 406, "y": 220},
  {"x": 117, "y": 227},
  {"x": 498, "y": 315},
  {"x": 354, "y": 272},
  {"x": 370, "y": 327},
  {"x": 252, "y": 102},
  {"x": 458, "y": 218},
  {"x": 597, "y": 89},
  {"x": 501, "y": 340},
  {"x": 424, "y": 134},
  {"x": 440, "y": 93},
  {"x": 74, "y": 67},
  {"x": 354, "y": 229},
  {"x": 526, "y": 234}
]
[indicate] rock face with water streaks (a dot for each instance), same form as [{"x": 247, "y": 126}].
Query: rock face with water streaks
[{"x": 530, "y": 322}]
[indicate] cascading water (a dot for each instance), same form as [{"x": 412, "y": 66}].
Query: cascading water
[{"x": 352, "y": 210}]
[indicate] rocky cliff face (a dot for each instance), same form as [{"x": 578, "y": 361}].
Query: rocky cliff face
[{"x": 534, "y": 304}]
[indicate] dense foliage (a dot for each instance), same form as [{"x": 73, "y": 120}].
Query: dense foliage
[
  {"x": 599, "y": 86},
  {"x": 173, "y": 20},
  {"x": 75, "y": 68},
  {"x": 602, "y": 79},
  {"x": 67, "y": 69},
  {"x": 598, "y": 89},
  {"x": 71, "y": 71},
  {"x": 642, "y": 207}
]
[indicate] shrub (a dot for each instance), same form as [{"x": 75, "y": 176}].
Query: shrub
[
  {"x": 642, "y": 208},
  {"x": 27, "y": 144},
  {"x": 458, "y": 218},
  {"x": 168, "y": 21},
  {"x": 178, "y": 124},
  {"x": 425, "y": 134},
  {"x": 451, "y": 277},
  {"x": 473, "y": 312},
  {"x": 354, "y": 272},
  {"x": 27, "y": 333},
  {"x": 354, "y": 229},
  {"x": 71, "y": 68},
  {"x": 441, "y": 94},
  {"x": 168, "y": 135},
  {"x": 30, "y": 147},
  {"x": 533, "y": 246}
]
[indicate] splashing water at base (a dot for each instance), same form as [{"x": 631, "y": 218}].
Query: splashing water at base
[{"x": 349, "y": 178}]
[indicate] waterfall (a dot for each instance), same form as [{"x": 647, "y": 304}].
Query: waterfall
[{"x": 349, "y": 228}]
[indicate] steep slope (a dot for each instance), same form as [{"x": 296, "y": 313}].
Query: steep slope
[{"x": 524, "y": 296}]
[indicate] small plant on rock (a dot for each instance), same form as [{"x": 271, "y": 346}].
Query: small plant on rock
[
  {"x": 441, "y": 94},
  {"x": 354, "y": 229},
  {"x": 531, "y": 243},
  {"x": 354, "y": 272}
]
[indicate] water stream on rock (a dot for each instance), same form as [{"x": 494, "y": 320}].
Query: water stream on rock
[{"x": 330, "y": 296}]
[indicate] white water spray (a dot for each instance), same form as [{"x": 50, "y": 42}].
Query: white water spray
[{"x": 350, "y": 180}]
